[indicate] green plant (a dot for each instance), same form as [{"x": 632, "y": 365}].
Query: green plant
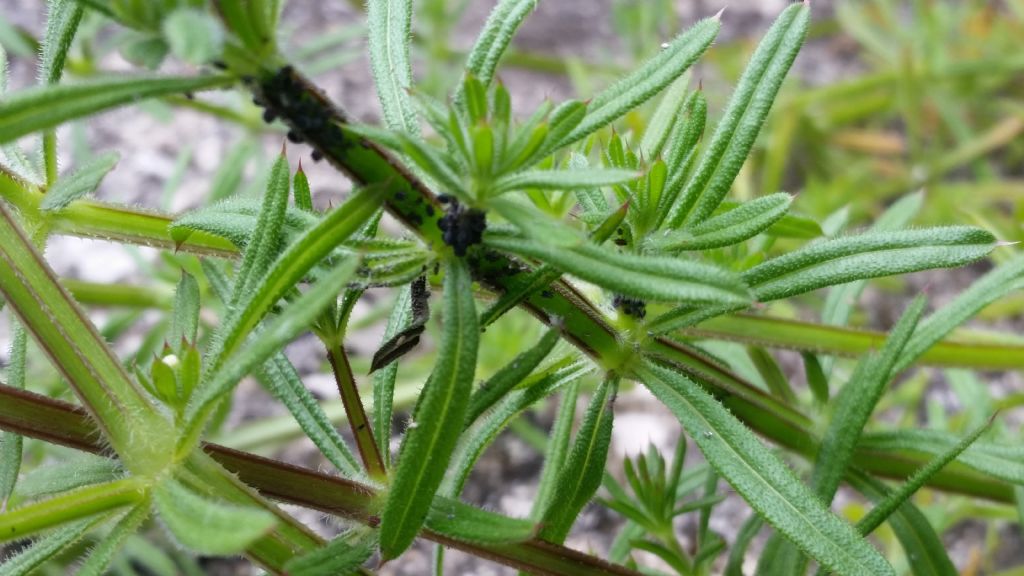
[{"x": 629, "y": 285}]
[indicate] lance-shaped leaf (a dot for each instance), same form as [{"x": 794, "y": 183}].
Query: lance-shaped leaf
[
  {"x": 209, "y": 526},
  {"x": 185, "y": 319},
  {"x": 646, "y": 81},
  {"x": 10, "y": 442},
  {"x": 647, "y": 277},
  {"x": 280, "y": 378},
  {"x": 682, "y": 152},
  {"x": 80, "y": 470},
  {"x": 1003, "y": 461},
  {"x": 855, "y": 403},
  {"x": 494, "y": 39},
  {"x": 46, "y": 107},
  {"x": 743, "y": 117},
  {"x": 265, "y": 242},
  {"x": 79, "y": 183},
  {"x": 235, "y": 219},
  {"x": 302, "y": 256},
  {"x": 562, "y": 179},
  {"x": 584, "y": 468},
  {"x": 894, "y": 500},
  {"x": 62, "y": 20},
  {"x": 557, "y": 451},
  {"x": 912, "y": 528},
  {"x": 437, "y": 419},
  {"x": 389, "y": 24},
  {"x": 103, "y": 553},
  {"x": 26, "y": 561},
  {"x": 1004, "y": 280},
  {"x": 535, "y": 223},
  {"x": 486, "y": 430},
  {"x": 384, "y": 379},
  {"x": 510, "y": 375},
  {"x": 732, "y": 227},
  {"x": 764, "y": 481},
  {"x": 853, "y": 408},
  {"x": 301, "y": 191},
  {"x": 591, "y": 200},
  {"x": 293, "y": 319},
  {"x": 666, "y": 117},
  {"x": 342, "y": 555},
  {"x": 471, "y": 524},
  {"x": 868, "y": 255}
]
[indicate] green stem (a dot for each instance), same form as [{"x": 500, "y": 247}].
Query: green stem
[
  {"x": 118, "y": 295},
  {"x": 70, "y": 506},
  {"x": 361, "y": 429},
  {"x": 833, "y": 340}
]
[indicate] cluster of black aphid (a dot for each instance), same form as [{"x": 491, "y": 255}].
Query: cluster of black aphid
[
  {"x": 462, "y": 227},
  {"x": 310, "y": 118},
  {"x": 634, "y": 307}
]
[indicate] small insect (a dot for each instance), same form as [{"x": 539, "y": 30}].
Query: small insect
[
  {"x": 462, "y": 227},
  {"x": 401, "y": 343}
]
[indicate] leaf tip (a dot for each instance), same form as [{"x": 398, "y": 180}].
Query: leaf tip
[{"x": 718, "y": 16}]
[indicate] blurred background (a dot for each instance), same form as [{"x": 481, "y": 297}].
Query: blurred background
[{"x": 886, "y": 99}]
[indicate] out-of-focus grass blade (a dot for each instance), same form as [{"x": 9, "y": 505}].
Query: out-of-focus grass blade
[
  {"x": 102, "y": 554},
  {"x": 437, "y": 419}
]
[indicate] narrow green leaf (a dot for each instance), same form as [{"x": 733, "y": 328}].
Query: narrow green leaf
[
  {"x": 919, "y": 540},
  {"x": 646, "y": 81},
  {"x": 437, "y": 419},
  {"x": 682, "y": 151},
  {"x": 1002, "y": 461},
  {"x": 580, "y": 478},
  {"x": 989, "y": 288},
  {"x": 534, "y": 223},
  {"x": 389, "y": 23},
  {"x": 301, "y": 256},
  {"x": 79, "y": 183},
  {"x": 301, "y": 190},
  {"x": 738, "y": 551},
  {"x": 26, "y": 561},
  {"x": 764, "y": 481},
  {"x": 886, "y": 507},
  {"x": 265, "y": 242},
  {"x": 557, "y": 450},
  {"x": 185, "y": 318},
  {"x": 468, "y": 523},
  {"x": 743, "y": 117},
  {"x": 62, "y": 20},
  {"x": 342, "y": 555},
  {"x": 90, "y": 501},
  {"x": 280, "y": 378},
  {"x": 47, "y": 107},
  {"x": 868, "y": 255},
  {"x": 486, "y": 430},
  {"x": 209, "y": 526},
  {"x": 772, "y": 374},
  {"x": 103, "y": 553},
  {"x": 384, "y": 379},
  {"x": 510, "y": 375},
  {"x": 495, "y": 37},
  {"x": 841, "y": 299},
  {"x": 232, "y": 168},
  {"x": 856, "y": 401},
  {"x": 10, "y": 442},
  {"x": 294, "y": 319},
  {"x": 591, "y": 200},
  {"x": 666, "y": 117},
  {"x": 732, "y": 227},
  {"x": 193, "y": 35},
  {"x": 648, "y": 277},
  {"x": 81, "y": 470},
  {"x": 816, "y": 379},
  {"x": 852, "y": 410},
  {"x": 562, "y": 179}
]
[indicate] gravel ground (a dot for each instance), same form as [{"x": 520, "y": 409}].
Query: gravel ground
[{"x": 504, "y": 481}]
